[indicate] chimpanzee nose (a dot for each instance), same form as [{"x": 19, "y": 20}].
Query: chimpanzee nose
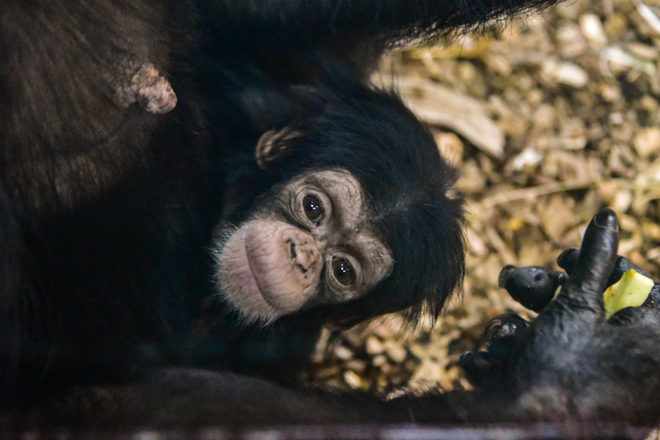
[{"x": 304, "y": 254}]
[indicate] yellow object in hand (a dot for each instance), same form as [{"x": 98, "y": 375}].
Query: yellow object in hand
[{"x": 630, "y": 291}]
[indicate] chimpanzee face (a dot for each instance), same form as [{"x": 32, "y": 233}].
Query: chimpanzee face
[{"x": 315, "y": 244}]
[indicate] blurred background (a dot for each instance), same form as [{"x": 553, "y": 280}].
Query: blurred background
[{"x": 552, "y": 118}]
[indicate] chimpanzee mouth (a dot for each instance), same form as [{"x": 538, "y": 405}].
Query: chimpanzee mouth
[
  {"x": 237, "y": 282},
  {"x": 257, "y": 274}
]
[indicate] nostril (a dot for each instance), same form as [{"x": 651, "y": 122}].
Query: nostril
[
  {"x": 305, "y": 260},
  {"x": 299, "y": 262},
  {"x": 302, "y": 254}
]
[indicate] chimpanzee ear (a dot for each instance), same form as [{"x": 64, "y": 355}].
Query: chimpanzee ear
[{"x": 272, "y": 144}]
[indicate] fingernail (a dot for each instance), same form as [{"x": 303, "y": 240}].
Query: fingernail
[
  {"x": 559, "y": 278},
  {"x": 606, "y": 218},
  {"x": 505, "y": 273},
  {"x": 467, "y": 359}
]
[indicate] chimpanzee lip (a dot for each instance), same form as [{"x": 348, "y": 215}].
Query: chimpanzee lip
[
  {"x": 249, "y": 262},
  {"x": 264, "y": 295}
]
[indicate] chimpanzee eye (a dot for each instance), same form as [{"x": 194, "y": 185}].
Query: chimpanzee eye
[
  {"x": 343, "y": 271},
  {"x": 313, "y": 208}
]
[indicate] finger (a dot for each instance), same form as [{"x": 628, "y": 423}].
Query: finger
[
  {"x": 503, "y": 333},
  {"x": 532, "y": 286},
  {"x": 480, "y": 368},
  {"x": 568, "y": 259},
  {"x": 622, "y": 266},
  {"x": 505, "y": 327},
  {"x": 627, "y": 315},
  {"x": 595, "y": 263}
]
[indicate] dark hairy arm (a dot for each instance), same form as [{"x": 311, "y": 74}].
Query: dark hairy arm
[
  {"x": 571, "y": 367},
  {"x": 357, "y": 31},
  {"x": 374, "y": 17}
]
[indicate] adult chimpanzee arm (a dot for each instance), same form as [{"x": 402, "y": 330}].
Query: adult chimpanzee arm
[
  {"x": 377, "y": 17},
  {"x": 570, "y": 366},
  {"x": 11, "y": 253},
  {"x": 190, "y": 398},
  {"x": 356, "y": 30}
]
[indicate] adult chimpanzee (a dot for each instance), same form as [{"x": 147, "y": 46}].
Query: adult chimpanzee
[
  {"x": 571, "y": 365},
  {"x": 280, "y": 180},
  {"x": 109, "y": 204}
]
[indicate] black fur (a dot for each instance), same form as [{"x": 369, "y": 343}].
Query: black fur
[
  {"x": 591, "y": 377},
  {"x": 107, "y": 211}
]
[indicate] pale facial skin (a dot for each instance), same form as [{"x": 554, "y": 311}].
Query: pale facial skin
[{"x": 269, "y": 267}]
